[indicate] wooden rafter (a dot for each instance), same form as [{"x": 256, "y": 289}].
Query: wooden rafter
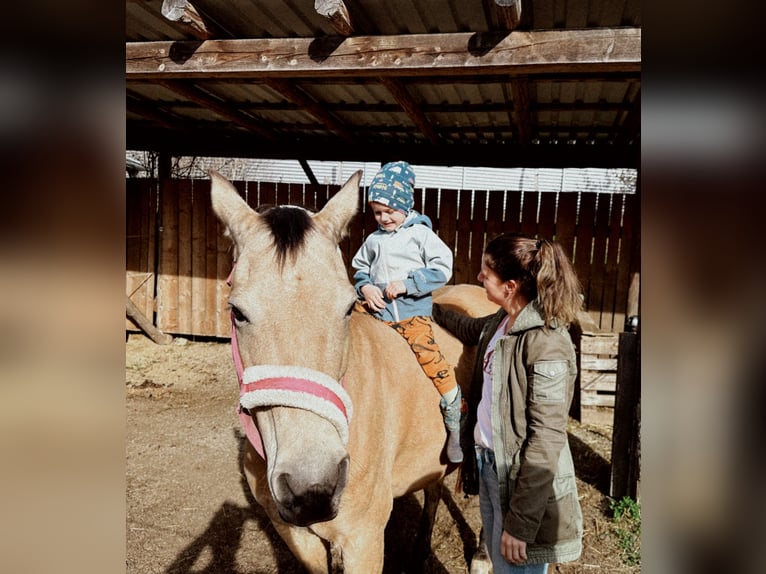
[
  {"x": 337, "y": 13},
  {"x": 601, "y": 50},
  {"x": 152, "y": 113},
  {"x": 303, "y": 100},
  {"x": 632, "y": 122},
  {"x": 210, "y": 102},
  {"x": 186, "y": 17},
  {"x": 496, "y": 154},
  {"x": 509, "y": 13},
  {"x": 411, "y": 107},
  {"x": 520, "y": 94}
]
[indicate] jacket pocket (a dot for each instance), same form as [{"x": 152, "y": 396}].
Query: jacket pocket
[
  {"x": 562, "y": 519},
  {"x": 549, "y": 381}
]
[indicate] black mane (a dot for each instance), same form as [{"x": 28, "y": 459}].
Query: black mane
[{"x": 289, "y": 227}]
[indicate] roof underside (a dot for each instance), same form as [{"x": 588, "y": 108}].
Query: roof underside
[{"x": 441, "y": 82}]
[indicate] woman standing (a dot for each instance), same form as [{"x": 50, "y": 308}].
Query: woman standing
[{"x": 516, "y": 452}]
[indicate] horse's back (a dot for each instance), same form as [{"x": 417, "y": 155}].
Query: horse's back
[
  {"x": 398, "y": 429},
  {"x": 464, "y": 298}
]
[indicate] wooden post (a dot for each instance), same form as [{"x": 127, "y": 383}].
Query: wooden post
[
  {"x": 145, "y": 324},
  {"x": 626, "y": 437}
]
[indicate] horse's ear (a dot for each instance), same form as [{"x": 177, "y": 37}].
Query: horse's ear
[
  {"x": 334, "y": 217},
  {"x": 229, "y": 206}
]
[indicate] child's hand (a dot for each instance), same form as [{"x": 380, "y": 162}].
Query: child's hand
[
  {"x": 395, "y": 288},
  {"x": 373, "y": 297}
]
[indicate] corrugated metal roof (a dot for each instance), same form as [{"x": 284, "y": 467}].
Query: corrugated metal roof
[{"x": 349, "y": 112}]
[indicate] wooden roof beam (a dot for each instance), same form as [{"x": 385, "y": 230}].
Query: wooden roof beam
[
  {"x": 337, "y": 13},
  {"x": 497, "y": 154},
  {"x": 215, "y": 105},
  {"x": 302, "y": 100},
  {"x": 152, "y": 113},
  {"x": 509, "y": 13},
  {"x": 411, "y": 107},
  {"x": 520, "y": 114},
  {"x": 186, "y": 17},
  {"x": 631, "y": 125},
  {"x": 595, "y": 51}
]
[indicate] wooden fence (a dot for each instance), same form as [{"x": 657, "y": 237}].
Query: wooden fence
[{"x": 178, "y": 259}]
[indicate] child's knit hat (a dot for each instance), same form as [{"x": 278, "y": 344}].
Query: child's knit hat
[{"x": 393, "y": 186}]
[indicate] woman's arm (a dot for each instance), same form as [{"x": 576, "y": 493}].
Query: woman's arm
[{"x": 467, "y": 329}]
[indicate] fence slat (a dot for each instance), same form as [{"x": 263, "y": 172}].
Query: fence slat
[
  {"x": 583, "y": 245},
  {"x": 167, "y": 281},
  {"x": 546, "y": 224},
  {"x": 478, "y": 229},
  {"x": 512, "y": 212},
  {"x": 494, "y": 214},
  {"x": 431, "y": 207},
  {"x": 598, "y": 264},
  {"x": 609, "y": 306},
  {"x": 198, "y": 259},
  {"x": 213, "y": 233},
  {"x": 462, "y": 265},
  {"x": 448, "y": 220},
  {"x": 185, "y": 301},
  {"x": 566, "y": 219},
  {"x": 529, "y": 213},
  {"x": 627, "y": 249}
]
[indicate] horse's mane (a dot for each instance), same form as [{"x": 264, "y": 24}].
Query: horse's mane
[{"x": 289, "y": 226}]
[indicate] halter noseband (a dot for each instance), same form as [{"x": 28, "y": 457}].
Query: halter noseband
[{"x": 290, "y": 386}]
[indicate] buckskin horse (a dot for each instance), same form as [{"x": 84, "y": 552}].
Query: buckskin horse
[{"x": 340, "y": 416}]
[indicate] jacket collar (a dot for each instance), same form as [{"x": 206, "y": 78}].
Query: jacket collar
[{"x": 530, "y": 317}]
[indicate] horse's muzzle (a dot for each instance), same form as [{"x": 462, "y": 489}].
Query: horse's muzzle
[{"x": 303, "y": 503}]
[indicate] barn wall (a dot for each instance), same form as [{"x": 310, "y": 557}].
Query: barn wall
[{"x": 193, "y": 258}]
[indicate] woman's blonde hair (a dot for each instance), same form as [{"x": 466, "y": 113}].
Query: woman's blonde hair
[{"x": 543, "y": 271}]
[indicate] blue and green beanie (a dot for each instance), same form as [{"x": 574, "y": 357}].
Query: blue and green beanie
[{"x": 393, "y": 186}]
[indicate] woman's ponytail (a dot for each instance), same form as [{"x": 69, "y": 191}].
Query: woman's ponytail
[{"x": 558, "y": 288}]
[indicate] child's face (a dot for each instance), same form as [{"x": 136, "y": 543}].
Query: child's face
[{"x": 389, "y": 219}]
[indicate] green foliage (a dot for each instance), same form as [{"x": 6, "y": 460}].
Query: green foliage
[{"x": 626, "y": 515}]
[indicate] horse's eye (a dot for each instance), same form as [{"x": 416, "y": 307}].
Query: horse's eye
[
  {"x": 239, "y": 316},
  {"x": 350, "y": 309}
]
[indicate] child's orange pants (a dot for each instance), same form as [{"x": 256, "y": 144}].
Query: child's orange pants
[{"x": 419, "y": 333}]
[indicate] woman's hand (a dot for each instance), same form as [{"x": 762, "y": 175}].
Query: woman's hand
[
  {"x": 395, "y": 288},
  {"x": 513, "y": 549},
  {"x": 373, "y": 297}
]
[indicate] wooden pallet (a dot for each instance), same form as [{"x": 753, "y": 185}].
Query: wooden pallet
[{"x": 597, "y": 359}]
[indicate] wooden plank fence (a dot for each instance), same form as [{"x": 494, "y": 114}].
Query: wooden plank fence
[
  {"x": 177, "y": 248},
  {"x": 140, "y": 245}
]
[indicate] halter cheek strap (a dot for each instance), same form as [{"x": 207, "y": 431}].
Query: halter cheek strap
[{"x": 287, "y": 385}]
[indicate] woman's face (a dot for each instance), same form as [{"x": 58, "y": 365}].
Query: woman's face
[{"x": 494, "y": 286}]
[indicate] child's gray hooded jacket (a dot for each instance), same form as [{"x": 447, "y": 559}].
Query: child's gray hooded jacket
[{"x": 412, "y": 253}]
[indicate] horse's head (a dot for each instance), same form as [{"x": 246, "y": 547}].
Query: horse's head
[{"x": 291, "y": 302}]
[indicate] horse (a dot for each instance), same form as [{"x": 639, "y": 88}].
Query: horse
[{"x": 341, "y": 417}]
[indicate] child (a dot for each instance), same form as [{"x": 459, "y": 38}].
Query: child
[{"x": 397, "y": 268}]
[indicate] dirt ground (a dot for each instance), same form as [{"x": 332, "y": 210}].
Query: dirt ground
[{"x": 189, "y": 509}]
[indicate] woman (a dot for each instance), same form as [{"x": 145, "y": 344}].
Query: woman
[{"x": 516, "y": 453}]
